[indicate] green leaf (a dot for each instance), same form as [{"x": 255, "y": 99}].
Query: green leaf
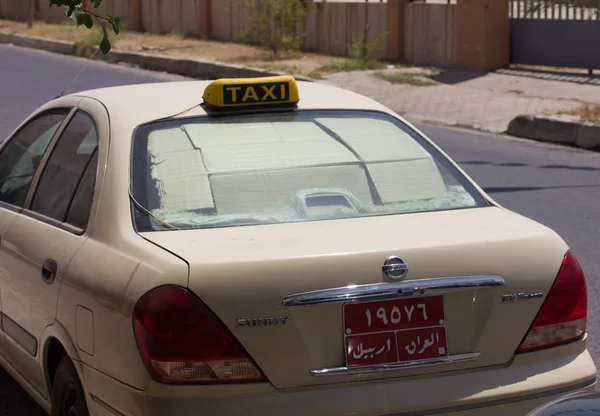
[
  {"x": 72, "y": 6},
  {"x": 73, "y": 16},
  {"x": 116, "y": 24},
  {"x": 105, "y": 44},
  {"x": 83, "y": 18},
  {"x": 96, "y": 3}
]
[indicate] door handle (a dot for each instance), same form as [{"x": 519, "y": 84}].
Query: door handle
[{"x": 49, "y": 271}]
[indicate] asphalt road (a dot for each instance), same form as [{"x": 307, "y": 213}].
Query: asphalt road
[{"x": 557, "y": 186}]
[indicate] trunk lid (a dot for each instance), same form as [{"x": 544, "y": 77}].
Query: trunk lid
[{"x": 245, "y": 273}]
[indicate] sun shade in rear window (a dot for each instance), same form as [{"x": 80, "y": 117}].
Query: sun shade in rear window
[{"x": 287, "y": 167}]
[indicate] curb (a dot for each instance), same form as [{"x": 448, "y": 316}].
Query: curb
[
  {"x": 443, "y": 122},
  {"x": 193, "y": 68},
  {"x": 569, "y": 131}
]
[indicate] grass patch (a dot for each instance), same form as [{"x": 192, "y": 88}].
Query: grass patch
[
  {"x": 586, "y": 112},
  {"x": 352, "y": 65},
  {"x": 407, "y": 78},
  {"x": 176, "y": 45},
  {"x": 315, "y": 75},
  {"x": 43, "y": 29}
]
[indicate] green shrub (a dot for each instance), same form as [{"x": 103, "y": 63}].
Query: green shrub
[{"x": 274, "y": 24}]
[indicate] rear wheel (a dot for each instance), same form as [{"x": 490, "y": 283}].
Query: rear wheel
[{"x": 68, "y": 398}]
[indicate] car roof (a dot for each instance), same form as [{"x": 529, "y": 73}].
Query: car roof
[{"x": 132, "y": 105}]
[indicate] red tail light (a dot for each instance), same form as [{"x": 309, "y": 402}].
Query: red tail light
[
  {"x": 182, "y": 341},
  {"x": 563, "y": 315}
]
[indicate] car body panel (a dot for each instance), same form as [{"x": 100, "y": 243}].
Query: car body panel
[
  {"x": 111, "y": 293},
  {"x": 27, "y": 244},
  {"x": 6, "y": 219},
  {"x": 246, "y": 272},
  {"x": 530, "y": 380}
]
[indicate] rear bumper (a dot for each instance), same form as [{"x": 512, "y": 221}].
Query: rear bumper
[{"x": 528, "y": 382}]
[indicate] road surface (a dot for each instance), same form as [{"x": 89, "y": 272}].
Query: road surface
[{"x": 558, "y": 186}]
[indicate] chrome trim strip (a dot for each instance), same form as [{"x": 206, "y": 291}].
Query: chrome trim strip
[
  {"x": 342, "y": 371},
  {"x": 392, "y": 290}
]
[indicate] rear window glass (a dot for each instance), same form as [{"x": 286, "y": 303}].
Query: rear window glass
[{"x": 287, "y": 167}]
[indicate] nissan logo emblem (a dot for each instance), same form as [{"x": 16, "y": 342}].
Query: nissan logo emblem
[{"x": 395, "y": 268}]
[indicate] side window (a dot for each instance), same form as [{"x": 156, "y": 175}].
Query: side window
[
  {"x": 21, "y": 156},
  {"x": 65, "y": 169}
]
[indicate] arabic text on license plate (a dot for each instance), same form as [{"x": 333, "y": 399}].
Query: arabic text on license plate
[{"x": 387, "y": 332}]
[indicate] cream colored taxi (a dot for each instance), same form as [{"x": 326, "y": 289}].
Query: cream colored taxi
[{"x": 270, "y": 247}]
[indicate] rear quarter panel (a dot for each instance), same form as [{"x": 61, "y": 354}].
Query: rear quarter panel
[
  {"x": 108, "y": 280},
  {"x": 112, "y": 270}
]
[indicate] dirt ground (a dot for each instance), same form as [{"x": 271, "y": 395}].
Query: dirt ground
[
  {"x": 588, "y": 112},
  {"x": 314, "y": 65}
]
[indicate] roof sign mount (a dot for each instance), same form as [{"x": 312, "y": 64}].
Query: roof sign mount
[{"x": 250, "y": 92}]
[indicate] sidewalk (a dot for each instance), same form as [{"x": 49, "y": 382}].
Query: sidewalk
[
  {"x": 483, "y": 101},
  {"x": 487, "y": 101}
]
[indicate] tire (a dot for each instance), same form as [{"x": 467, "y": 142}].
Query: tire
[{"x": 68, "y": 397}]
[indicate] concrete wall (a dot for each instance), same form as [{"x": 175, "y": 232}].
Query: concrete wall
[
  {"x": 17, "y": 10},
  {"x": 174, "y": 16},
  {"x": 230, "y": 20},
  {"x": 49, "y": 14},
  {"x": 11, "y": 9},
  {"x": 430, "y": 34},
  {"x": 329, "y": 28}
]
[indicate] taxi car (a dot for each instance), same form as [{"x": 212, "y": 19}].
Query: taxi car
[{"x": 270, "y": 247}]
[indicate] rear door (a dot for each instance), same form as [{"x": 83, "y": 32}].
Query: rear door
[
  {"x": 42, "y": 241},
  {"x": 20, "y": 157}
]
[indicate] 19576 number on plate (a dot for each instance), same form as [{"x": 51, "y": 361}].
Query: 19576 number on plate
[{"x": 387, "y": 332}]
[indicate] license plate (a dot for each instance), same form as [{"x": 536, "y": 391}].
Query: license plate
[{"x": 394, "y": 331}]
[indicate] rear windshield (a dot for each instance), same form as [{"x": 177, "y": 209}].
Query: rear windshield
[{"x": 208, "y": 172}]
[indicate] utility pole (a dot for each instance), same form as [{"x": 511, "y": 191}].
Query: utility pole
[{"x": 30, "y": 14}]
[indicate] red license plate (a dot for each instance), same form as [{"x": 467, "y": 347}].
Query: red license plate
[{"x": 393, "y": 331}]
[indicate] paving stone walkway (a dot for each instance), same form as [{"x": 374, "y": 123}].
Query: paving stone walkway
[{"x": 485, "y": 101}]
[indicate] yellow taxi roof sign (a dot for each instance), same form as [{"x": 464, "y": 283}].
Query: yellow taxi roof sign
[{"x": 241, "y": 92}]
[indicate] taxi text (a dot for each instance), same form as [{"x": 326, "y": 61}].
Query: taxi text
[{"x": 272, "y": 92}]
